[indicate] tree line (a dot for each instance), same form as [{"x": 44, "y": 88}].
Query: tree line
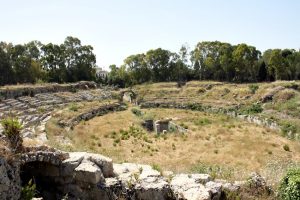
[
  {"x": 71, "y": 61},
  {"x": 215, "y": 60},
  {"x": 36, "y": 62}
]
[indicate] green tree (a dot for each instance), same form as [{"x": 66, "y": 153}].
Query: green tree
[
  {"x": 278, "y": 65},
  {"x": 79, "y": 59},
  {"x": 6, "y": 71},
  {"x": 245, "y": 61},
  {"x": 158, "y": 61},
  {"x": 53, "y": 62},
  {"x": 137, "y": 68}
]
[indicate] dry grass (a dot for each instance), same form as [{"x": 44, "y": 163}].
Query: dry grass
[{"x": 212, "y": 140}]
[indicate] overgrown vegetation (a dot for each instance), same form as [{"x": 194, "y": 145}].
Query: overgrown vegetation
[
  {"x": 28, "y": 191},
  {"x": 290, "y": 185},
  {"x": 253, "y": 88},
  {"x": 12, "y": 128},
  {"x": 252, "y": 109}
]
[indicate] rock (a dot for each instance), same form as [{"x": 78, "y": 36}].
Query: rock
[
  {"x": 155, "y": 188},
  {"x": 88, "y": 172},
  {"x": 215, "y": 189},
  {"x": 10, "y": 183},
  {"x": 190, "y": 187},
  {"x": 103, "y": 162}
]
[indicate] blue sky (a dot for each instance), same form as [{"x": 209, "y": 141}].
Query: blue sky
[{"x": 117, "y": 29}]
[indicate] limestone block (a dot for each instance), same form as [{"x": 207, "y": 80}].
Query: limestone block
[
  {"x": 103, "y": 162},
  {"x": 189, "y": 187},
  {"x": 88, "y": 172},
  {"x": 215, "y": 189}
]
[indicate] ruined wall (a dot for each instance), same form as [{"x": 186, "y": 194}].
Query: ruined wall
[
  {"x": 11, "y": 93},
  {"x": 10, "y": 185},
  {"x": 102, "y": 110}
]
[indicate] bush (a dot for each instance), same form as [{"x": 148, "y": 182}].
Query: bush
[
  {"x": 290, "y": 185},
  {"x": 202, "y": 122},
  {"x": 253, "y": 88},
  {"x": 157, "y": 168},
  {"x": 73, "y": 107},
  {"x": 253, "y": 109},
  {"x": 287, "y": 128},
  {"x": 136, "y": 111},
  {"x": 12, "y": 129},
  {"x": 195, "y": 106},
  {"x": 286, "y": 147}
]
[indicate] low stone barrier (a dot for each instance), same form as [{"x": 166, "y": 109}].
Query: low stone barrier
[
  {"x": 102, "y": 110},
  {"x": 11, "y": 93}
]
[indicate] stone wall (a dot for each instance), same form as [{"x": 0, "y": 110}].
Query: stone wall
[
  {"x": 102, "y": 110},
  {"x": 12, "y": 93}
]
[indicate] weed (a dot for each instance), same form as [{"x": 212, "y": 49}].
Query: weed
[
  {"x": 136, "y": 112},
  {"x": 173, "y": 146},
  {"x": 28, "y": 191},
  {"x": 73, "y": 107},
  {"x": 157, "y": 168},
  {"x": 253, "y": 88},
  {"x": 202, "y": 122}
]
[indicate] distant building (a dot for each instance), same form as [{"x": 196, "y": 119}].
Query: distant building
[{"x": 100, "y": 73}]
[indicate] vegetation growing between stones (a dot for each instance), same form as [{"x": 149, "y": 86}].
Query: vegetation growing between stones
[
  {"x": 12, "y": 128},
  {"x": 28, "y": 191}
]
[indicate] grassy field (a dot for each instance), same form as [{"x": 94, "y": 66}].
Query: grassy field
[{"x": 216, "y": 144}]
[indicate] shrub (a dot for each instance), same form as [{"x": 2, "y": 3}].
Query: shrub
[
  {"x": 253, "y": 88},
  {"x": 287, "y": 128},
  {"x": 253, "y": 109},
  {"x": 195, "y": 106},
  {"x": 201, "y": 90},
  {"x": 173, "y": 146},
  {"x": 202, "y": 122},
  {"x": 286, "y": 147},
  {"x": 226, "y": 91},
  {"x": 12, "y": 129},
  {"x": 157, "y": 168},
  {"x": 136, "y": 111},
  {"x": 73, "y": 107},
  {"x": 28, "y": 191},
  {"x": 290, "y": 185}
]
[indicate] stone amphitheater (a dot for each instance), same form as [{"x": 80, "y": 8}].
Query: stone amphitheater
[{"x": 82, "y": 175}]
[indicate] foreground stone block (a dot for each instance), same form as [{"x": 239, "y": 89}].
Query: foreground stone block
[
  {"x": 190, "y": 187},
  {"x": 88, "y": 172}
]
